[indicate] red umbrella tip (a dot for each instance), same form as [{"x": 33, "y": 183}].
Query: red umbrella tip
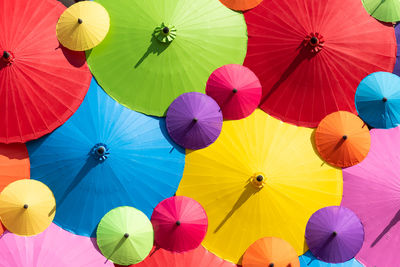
[
  {"x": 6, "y": 54},
  {"x": 178, "y": 223},
  {"x": 234, "y": 90}
]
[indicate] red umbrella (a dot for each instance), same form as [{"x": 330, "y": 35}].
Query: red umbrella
[
  {"x": 41, "y": 83},
  {"x": 310, "y": 55}
]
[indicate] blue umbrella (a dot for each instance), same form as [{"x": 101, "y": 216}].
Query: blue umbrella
[
  {"x": 103, "y": 157},
  {"x": 308, "y": 260},
  {"x": 378, "y": 100}
]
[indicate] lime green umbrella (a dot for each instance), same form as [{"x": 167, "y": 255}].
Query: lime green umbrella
[
  {"x": 125, "y": 235},
  {"x": 158, "y": 49},
  {"x": 383, "y": 10}
]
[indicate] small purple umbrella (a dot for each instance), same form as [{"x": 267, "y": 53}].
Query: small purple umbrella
[
  {"x": 334, "y": 234},
  {"x": 396, "y": 69},
  {"x": 194, "y": 120}
]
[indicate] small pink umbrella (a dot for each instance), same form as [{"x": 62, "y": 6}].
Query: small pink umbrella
[
  {"x": 53, "y": 247},
  {"x": 236, "y": 89},
  {"x": 180, "y": 224},
  {"x": 372, "y": 190}
]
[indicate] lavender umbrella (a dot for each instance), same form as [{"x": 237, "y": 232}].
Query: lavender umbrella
[
  {"x": 194, "y": 120},
  {"x": 334, "y": 234},
  {"x": 396, "y": 69}
]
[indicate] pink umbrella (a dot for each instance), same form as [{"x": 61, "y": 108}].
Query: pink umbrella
[
  {"x": 372, "y": 190},
  {"x": 180, "y": 224},
  {"x": 236, "y": 89},
  {"x": 53, "y": 247}
]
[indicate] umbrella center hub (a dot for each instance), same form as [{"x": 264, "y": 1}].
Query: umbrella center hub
[
  {"x": 258, "y": 180},
  {"x": 100, "y": 152},
  {"x": 165, "y": 33},
  {"x": 7, "y": 57},
  {"x": 314, "y": 41}
]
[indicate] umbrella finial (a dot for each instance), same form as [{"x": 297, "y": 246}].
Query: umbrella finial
[
  {"x": 165, "y": 33},
  {"x": 26, "y": 206},
  {"x": 384, "y": 99},
  {"x": 178, "y": 223},
  {"x": 258, "y": 180},
  {"x": 165, "y": 30},
  {"x": 344, "y": 137},
  {"x": 271, "y": 264},
  {"x": 195, "y": 120},
  {"x": 7, "y": 57},
  {"x": 334, "y": 233},
  {"x": 315, "y": 41},
  {"x": 126, "y": 235},
  {"x": 234, "y": 90},
  {"x": 100, "y": 151},
  {"x": 80, "y": 20}
]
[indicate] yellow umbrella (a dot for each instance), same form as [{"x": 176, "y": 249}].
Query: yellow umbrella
[
  {"x": 83, "y": 25},
  {"x": 27, "y": 207},
  {"x": 262, "y": 177}
]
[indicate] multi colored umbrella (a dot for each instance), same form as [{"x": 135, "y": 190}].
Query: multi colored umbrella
[
  {"x": 260, "y": 178},
  {"x": 271, "y": 252},
  {"x": 83, "y": 26},
  {"x": 383, "y": 10},
  {"x": 27, "y": 207},
  {"x": 194, "y": 120},
  {"x": 372, "y": 190},
  {"x": 14, "y": 163},
  {"x": 310, "y": 59},
  {"x": 125, "y": 235},
  {"x": 378, "y": 100},
  {"x": 42, "y": 84},
  {"x": 334, "y": 234},
  {"x": 308, "y": 260},
  {"x": 108, "y": 156},
  {"x": 236, "y": 89},
  {"x": 241, "y": 5},
  {"x": 156, "y": 51},
  {"x": 180, "y": 224},
  {"x": 53, "y": 247},
  {"x": 342, "y": 139}
]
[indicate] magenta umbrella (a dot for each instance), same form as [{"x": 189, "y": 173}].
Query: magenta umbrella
[
  {"x": 194, "y": 120},
  {"x": 180, "y": 224},
  {"x": 372, "y": 190},
  {"x": 53, "y": 247},
  {"x": 334, "y": 234}
]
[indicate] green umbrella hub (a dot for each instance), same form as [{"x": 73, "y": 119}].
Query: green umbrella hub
[{"x": 165, "y": 33}]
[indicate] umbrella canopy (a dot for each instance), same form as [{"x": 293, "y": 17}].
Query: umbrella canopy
[
  {"x": 308, "y": 56},
  {"x": 42, "y": 84},
  {"x": 372, "y": 190},
  {"x": 160, "y": 50},
  {"x": 383, "y": 10},
  {"x": 199, "y": 256},
  {"x": 53, "y": 247},
  {"x": 378, "y": 100},
  {"x": 308, "y": 260},
  {"x": 396, "y": 69},
  {"x": 108, "y": 156},
  {"x": 194, "y": 120},
  {"x": 180, "y": 224},
  {"x": 342, "y": 139},
  {"x": 83, "y": 26},
  {"x": 14, "y": 163},
  {"x": 241, "y": 5},
  {"x": 334, "y": 234},
  {"x": 265, "y": 180},
  {"x": 236, "y": 89},
  {"x": 271, "y": 252},
  {"x": 27, "y": 207},
  {"x": 125, "y": 235}
]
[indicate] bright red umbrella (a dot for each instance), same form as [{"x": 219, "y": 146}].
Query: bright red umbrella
[
  {"x": 310, "y": 55},
  {"x": 236, "y": 89},
  {"x": 41, "y": 83},
  {"x": 180, "y": 224}
]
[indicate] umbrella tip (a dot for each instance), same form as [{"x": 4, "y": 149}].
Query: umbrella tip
[
  {"x": 271, "y": 265},
  {"x": 384, "y": 99},
  {"x": 260, "y": 178},
  {"x": 334, "y": 233},
  {"x": 234, "y": 90},
  {"x": 80, "y": 20},
  {"x": 195, "y": 120},
  {"x": 26, "y": 206},
  {"x": 101, "y": 150},
  {"x": 344, "y": 137},
  {"x": 126, "y": 235},
  {"x": 178, "y": 223},
  {"x": 314, "y": 40},
  {"x": 6, "y": 54},
  {"x": 165, "y": 30}
]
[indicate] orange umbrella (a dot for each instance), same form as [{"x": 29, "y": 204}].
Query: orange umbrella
[
  {"x": 270, "y": 252},
  {"x": 2, "y": 229},
  {"x": 241, "y": 5},
  {"x": 342, "y": 139},
  {"x": 14, "y": 163}
]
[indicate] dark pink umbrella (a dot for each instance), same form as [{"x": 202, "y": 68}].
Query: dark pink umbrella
[
  {"x": 236, "y": 89},
  {"x": 180, "y": 224},
  {"x": 194, "y": 120},
  {"x": 334, "y": 234}
]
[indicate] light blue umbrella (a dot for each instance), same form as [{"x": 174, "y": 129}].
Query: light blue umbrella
[
  {"x": 378, "y": 100},
  {"x": 103, "y": 157},
  {"x": 308, "y": 260}
]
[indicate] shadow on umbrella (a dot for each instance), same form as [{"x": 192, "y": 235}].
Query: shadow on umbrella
[
  {"x": 118, "y": 246},
  {"x": 164, "y": 132},
  {"x": 75, "y": 58},
  {"x": 392, "y": 223},
  {"x": 378, "y": 6},
  {"x": 68, "y": 3},
  {"x": 249, "y": 190},
  {"x": 156, "y": 47}
]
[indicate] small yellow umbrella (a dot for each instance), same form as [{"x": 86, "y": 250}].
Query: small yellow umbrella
[
  {"x": 83, "y": 25},
  {"x": 27, "y": 207},
  {"x": 260, "y": 178}
]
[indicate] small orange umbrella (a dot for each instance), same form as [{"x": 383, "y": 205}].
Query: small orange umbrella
[
  {"x": 342, "y": 139},
  {"x": 270, "y": 252},
  {"x": 241, "y": 5},
  {"x": 14, "y": 163},
  {"x": 2, "y": 229}
]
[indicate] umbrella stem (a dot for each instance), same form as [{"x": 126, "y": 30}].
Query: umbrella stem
[
  {"x": 258, "y": 180},
  {"x": 100, "y": 152},
  {"x": 165, "y": 33},
  {"x": 314, "y": 41}
]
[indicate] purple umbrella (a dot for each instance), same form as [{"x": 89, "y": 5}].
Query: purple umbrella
[
  {"x": 194, "y": 120},
  {"x": 334, "y": 234},
  {"x": 396, "y": 69}
]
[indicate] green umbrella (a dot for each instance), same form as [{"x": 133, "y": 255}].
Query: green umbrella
[
  {"x": 125, "y": 235},
  {"x": 158, "y": 49},
  {"x": 383, "y": 10}
]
